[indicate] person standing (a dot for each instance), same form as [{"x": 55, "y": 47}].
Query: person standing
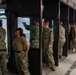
[
  {"x": 34, "y": 34},
  {"x": 34, "y": 53},
  {"x": 48, "y": 39},
  {"x": 62, "y": 39},
  {"x": 21, "y": 47},
  {"x": 73, "y": 40},
  {"x": 3, "y": 50}
]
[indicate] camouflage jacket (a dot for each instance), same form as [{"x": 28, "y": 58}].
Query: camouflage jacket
[
  {"x": 2, "y": 38},
  {"x": 62, "y": 33},
  {"x": 34, "y": 35},
  {"x": 48, "y": 36}
]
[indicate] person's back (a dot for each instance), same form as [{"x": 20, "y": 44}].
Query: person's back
[
  {"x": 48, "y": 39},
  {"x": 62, "y": 39},
  {"x": 34, "y": 39},
  {"x": 61, "y": 33},
  {"x": 34, "y": 52},
  {"x": 34, "y": 34},
  {"x": 73, "y": 40}
]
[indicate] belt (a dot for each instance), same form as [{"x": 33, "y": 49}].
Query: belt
[
  {"x": 3, "y": 50},
  {"x": 34, "y": 39}
]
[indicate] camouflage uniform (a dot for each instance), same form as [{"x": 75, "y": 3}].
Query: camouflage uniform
[
  {"x": 48, "y": 39},
  {"x": 21, "y": 59},
  {"x": 3, "y": 51},
  {"x": 73, "y": 41},
  {"x": 61, "y": 39},
  {"x": 34, "y": 35},
  {"x": 34, "y": 52}
]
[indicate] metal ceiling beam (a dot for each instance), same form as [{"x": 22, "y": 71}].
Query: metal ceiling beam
[{"x": 70, "y": 3}]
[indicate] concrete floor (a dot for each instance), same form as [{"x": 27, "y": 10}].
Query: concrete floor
[
  {"x": 67, "y": 66},
  {"x": 9, "y": 73}
]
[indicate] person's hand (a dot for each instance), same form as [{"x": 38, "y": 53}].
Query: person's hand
[
  {"x": 49, "y": 46},
  {"x": 23, "y": 52},
  {"x": 24, "y": 23},
  {"x": 26, "y": 52}
]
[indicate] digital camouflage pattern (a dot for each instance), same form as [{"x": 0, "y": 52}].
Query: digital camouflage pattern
[
  {"x": 73, "y": 41},
  {"x": 61, "y": 39},
  {"x": 48, "y": 39},
  {"x": 22, "y": 63},
  {"x": 21, "y": 59},
  {"x": 3, "y": 54},
  {"x": 2, "y": 38},
  {"x": 34, "y": 35}
]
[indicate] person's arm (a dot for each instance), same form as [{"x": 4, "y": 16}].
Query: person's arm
[
  {"x": 4, "y": 35},
  {"x": 26, "y": 44},
  {"x": 27, "y": 47},
  {"x": 26, "y": 26},
  {"x": 60, "y": 32},
  {"x": 51, "y": 38}
]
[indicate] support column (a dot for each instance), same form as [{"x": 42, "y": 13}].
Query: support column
[
  {"x": 40, "y": 35},
  {"x": 11, "y": 26}
]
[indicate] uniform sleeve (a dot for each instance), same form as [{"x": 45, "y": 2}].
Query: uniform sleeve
[
  {"x": 3, "y": 35},
  {"x": 27, "y": 27},
  {"x": 62, "y": 32},
  {"x": 51, "y": 37},
  {"x": 24, "y": 41}
]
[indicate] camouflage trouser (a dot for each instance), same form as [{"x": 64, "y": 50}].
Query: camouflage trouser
[
  {"x": 3, "y": 64},
  {"x": 60, "y": 47},
  {"x": 73, "y": 43},
  {"x": 22, "y": 63},
  {"x": 48, "y": 55}
]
